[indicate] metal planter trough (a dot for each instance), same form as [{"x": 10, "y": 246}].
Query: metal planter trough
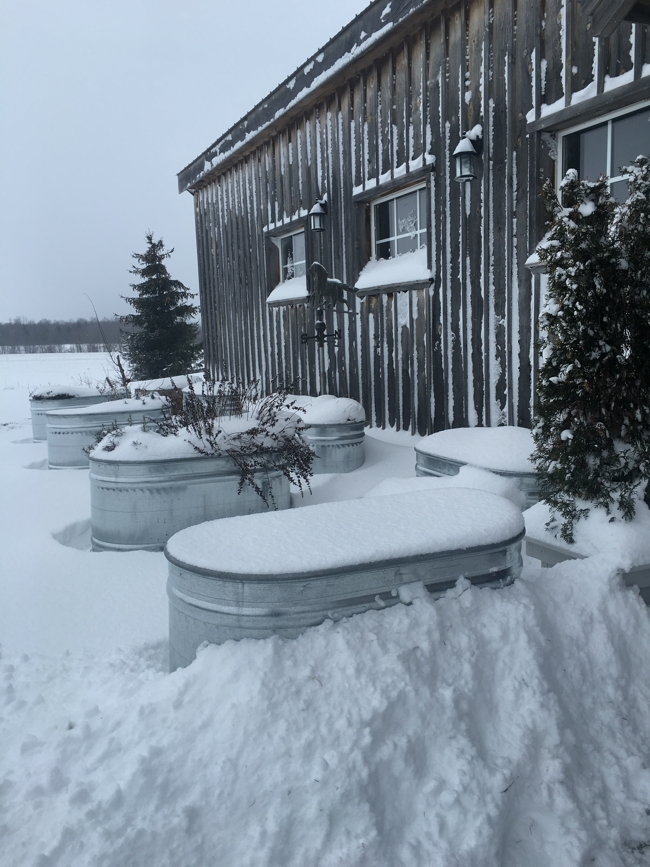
[
  {"x": 70, "y": 431},
  {"x": 550, "y": 555},
  {"x": 502, "y": 450},
  {"x": 140, "y": 504},
  {"x": 595, "y": 535},
  {"x": 335, "y": 432},
  {"x": 58, "y": 397},
  {"x": 249, "y": 578}
]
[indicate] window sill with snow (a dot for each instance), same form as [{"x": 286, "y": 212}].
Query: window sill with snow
[
  {"x": 399, "y": 274},
  {"x": 292, "y": 291}
]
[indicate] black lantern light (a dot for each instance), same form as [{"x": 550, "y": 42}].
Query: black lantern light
[
  {"x": 317, "y": 216},
  {"x": 466, "y": 156}
]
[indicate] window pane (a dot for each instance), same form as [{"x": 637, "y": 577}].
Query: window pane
[
  {"x": 407, "y": 245},
  {"x": 287, "y": 258},
  {"x": 619, "y": 190},
  {"x": 382, "y": 223},
  {"x": 593, "y": 153},
  {"x": 407, "y": 215},
  {"x": 383, "y": 250},
  {"x": 572, "y": 153},
  {"x": 400, "y": 224},
  {"x": 293, "y": 256},
  {"x": 422, "y": 198},
  {"x": 288, "y": 270},
  {"x": 299, "y": 247},
  {"x": 630, "y": 138}
]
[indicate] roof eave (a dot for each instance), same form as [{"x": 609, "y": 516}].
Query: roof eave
[{"x": 352, "y": 45}]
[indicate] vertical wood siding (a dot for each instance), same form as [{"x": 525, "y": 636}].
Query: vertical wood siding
[{"x": 462, "y": 350}]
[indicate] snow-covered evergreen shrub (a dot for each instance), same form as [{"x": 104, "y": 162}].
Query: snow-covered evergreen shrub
[
  {"x": 591, "y": 435},
  {"x": 632, "y": 229}
]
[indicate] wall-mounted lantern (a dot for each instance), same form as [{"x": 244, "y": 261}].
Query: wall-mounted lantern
[
  {"x": 467, "y": 153},
  {"x": 317, "y": 216}
]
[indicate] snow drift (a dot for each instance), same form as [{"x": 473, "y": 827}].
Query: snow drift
[{"x": 490, "y": 728}]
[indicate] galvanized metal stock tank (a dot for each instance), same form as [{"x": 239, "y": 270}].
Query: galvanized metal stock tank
[
  {"x": 437, "y": 465},
  {"x": 219, "y": 588},
  {"x": 505, "y": 450},
  {"x": 140, "y": 504},
  {"x": 334, "y": 428},
  {"x": 39, "y": 407},
  {"x": 338, "y": 448},
  {"x": 213, "y": 606},
  {"x": 69, "y": 432}
]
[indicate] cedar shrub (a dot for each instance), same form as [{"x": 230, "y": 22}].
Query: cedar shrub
[{"x": 592, "y": 414}]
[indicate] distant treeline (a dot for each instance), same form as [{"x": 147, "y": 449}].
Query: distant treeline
[{"x": 79, "y": 335}]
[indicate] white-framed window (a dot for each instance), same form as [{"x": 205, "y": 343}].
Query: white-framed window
[
  {"x": 292, "y": 256},
  {"x": 602, "y": 147},
  {"x": 399, "y": 223}
]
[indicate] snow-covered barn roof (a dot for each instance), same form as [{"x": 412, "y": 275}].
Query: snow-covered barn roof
[{"x": 352, "y": 42}]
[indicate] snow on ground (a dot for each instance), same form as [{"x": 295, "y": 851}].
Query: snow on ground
[
  {"x": 56, "y": 596},
  {"x": 504, "y": 727}
]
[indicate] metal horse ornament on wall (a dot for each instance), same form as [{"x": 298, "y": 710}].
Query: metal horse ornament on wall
[{"x": 325, "y": 291}]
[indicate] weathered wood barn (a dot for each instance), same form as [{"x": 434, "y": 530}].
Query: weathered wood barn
[{"x": 442, "y": 330}]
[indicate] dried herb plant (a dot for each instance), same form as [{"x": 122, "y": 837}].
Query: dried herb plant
[{"x": 273, "y": 441}]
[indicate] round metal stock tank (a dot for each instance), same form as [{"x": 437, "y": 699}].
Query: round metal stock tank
[
  {"x": 214, "y": 606},
  {"x": 437, "y": 465},
  {"x": 140, "y": 504},
  {"x": 504, "y": 450},
  {"x": 40, "y": 407},
  {"x": 339, "y": 448},
  {"x": 70, "y": 432}
]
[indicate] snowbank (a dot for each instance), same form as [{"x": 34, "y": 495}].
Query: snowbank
[
  {"x": 333, "y": 535},
  {"x": 501, "y": 728},
  {"x": 490, "y": 728},
  {"x": 502, "y": 449},
  {"x": 627, "y": 541}
]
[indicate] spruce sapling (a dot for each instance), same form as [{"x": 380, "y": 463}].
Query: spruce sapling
[{"x": 163, "y": 340}]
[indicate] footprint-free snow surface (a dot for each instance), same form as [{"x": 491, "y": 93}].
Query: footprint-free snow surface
[{"x": 507, "y": 727}]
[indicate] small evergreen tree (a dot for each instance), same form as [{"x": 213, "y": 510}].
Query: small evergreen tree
[
  {"x": 163, "y": 340},
  {"x": 587, "y": 436}
]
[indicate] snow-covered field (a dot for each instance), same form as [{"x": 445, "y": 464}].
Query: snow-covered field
[{"x": 489, "y": 728}]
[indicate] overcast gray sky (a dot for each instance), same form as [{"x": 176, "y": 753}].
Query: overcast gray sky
[{"x": 102, "y": 102}]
